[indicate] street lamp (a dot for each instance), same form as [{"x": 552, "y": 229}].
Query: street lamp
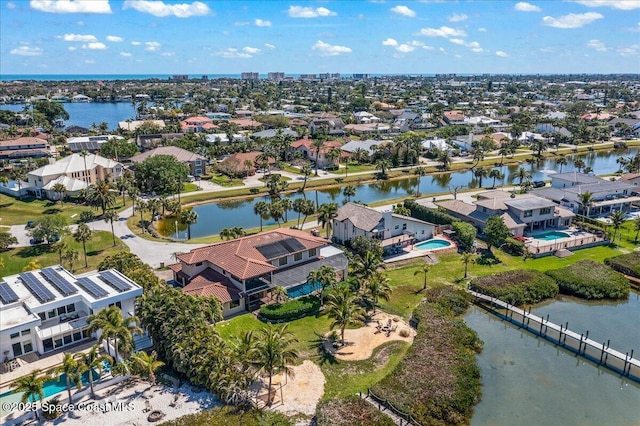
[{"x": 177, "y": 235}]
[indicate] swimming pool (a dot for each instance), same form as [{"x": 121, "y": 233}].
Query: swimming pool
[
  {"x": 432, "y": 244},
  {"x": 303, "y": 290},
  {"x": 551, "y": 235}
]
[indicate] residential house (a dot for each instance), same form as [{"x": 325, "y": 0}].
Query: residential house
[
  {"x": 154, "y": 140},
  {"x": 223, "y": 138},
  {"x": 246, "y": 123},
  {"x": 454, "y": 117},
  {"x": 196, "y": 162},
  {"x": 522, "y": 213},
  {"x": 625, "y": 126},
  {"x": 364, "y": 117},
  {"x": 631, "y": 178},
  {"x": 132, "y": 125},
  {"x": 241, "y": 273},
  {"x": 46, "y": 310},
  {"x": 370, "y": 129},
  {"x": 308, "y": 151},
  {"x": 81, "y": 98},
  {"x": 75, "y": 172},
  {"x": 24, "y": 147},
  {"x": 90, "y": 144},
  {"x": 369, "y": 146},
  {"x": 237, "y": 164},
  {"x": 326, "y": 124},
  {"x": 392, "y": 230},
  {"x": 197, "y": 124},
  {"x": 272, "y": 133}
]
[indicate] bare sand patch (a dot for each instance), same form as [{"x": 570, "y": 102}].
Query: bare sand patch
[{"x": 360, "y": 342}]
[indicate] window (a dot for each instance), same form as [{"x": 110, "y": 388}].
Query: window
[
  {"x": 26, "y": 332},
  {"x": 528, "y": 213},
  {"x": 546, "y": 210},
  {"x": 27, "y": 346},
  {"x": 52, "y": 313},
  {"x": 198, "y": 172},
  {"x": 17, "y": 349},
  {"x": 198, "y": 162},
  {"x": 57, "y": 343},
  {"x": 67, "y": 339},
  {"x": 282, "y": 261},
  {"x": 234, "y": 304},
  {"x": 62, "y": 310},
  {"x": 14, "y": 335},
  {"x": 71, "y": 308},
  {"x": 199, "y": 264},
  {"x": 118, "y": 304},
  {"x": 43, "y": 316},
  {"x": 77, "y": 336},
  {"x": 47, "y": 344},
  {"x": 312, "y": 252},
  {"x": 396, "y": 227},
  {"x": 404, "y": 226},
  {"x": 484, "y": 210},
  {"x": 297, "y": 257}
]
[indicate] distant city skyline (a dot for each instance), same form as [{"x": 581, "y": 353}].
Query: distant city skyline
[{"x": 298, "y": 37}]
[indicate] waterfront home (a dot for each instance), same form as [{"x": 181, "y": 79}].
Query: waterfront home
[
  {"x": 90, "y": 144},
  {"x": 197, "y": 163},
  {"x": 81, "y": 98},
  {"x": 371, "y": 128},
  {"x": 307, "y": 150},
  {"x": 364, "y": 117},
  {"x": 246, "y": 123},
  {"x": 393, "y": 231},
  {"x": 24, "y": 147},
  {"x": 238, "y": 164},
  {"x": 45, "y": 310},
  {"x": 223, "y": 138},
  {"x": 197, "y": 124},
  {"x": 369, "y": 146},
  {"x": 241, "y": 273},
  {"x": 520, "y": 212},
  {"x": 132, "y": 125},
  {"x": 75, "y": 172},
  {"x": 153, "y": 140}
]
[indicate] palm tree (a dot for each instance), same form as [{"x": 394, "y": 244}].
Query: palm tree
[
  {"x": 88, "y": 361},
  {"x": 504, "y": 151},
  {"x": 383, "y": 165},
  {"x": 31, "y": 387},
  {"x": 71, "y": 256},
  {"x": 225, "y": 234},
  {"x": 298, "y": 207},
  {"x": 617, "y": 219},
  {"x": 188, "y": 217},
  {"x": 495, "y": 174},
  {"x": 142, "y": 207},
  {"x": 579, "y": 164},
  {"x": 326, "y": 276},
  {"x": 83, "y": 234},
  {"x": 273, "y": 352},
  {"x": 85, "y": 176},
  {"x": 317, "y": 144},
  {"x": 333, "y": 155},
  {"x": 59, "y": 189},
  {"x": 69, "y": 368},
  {"x": 326, "y": 213},
  {"x": 19, "y": 175},
  {"x": 100, "y": 195},
  {"x": 287, "y": 205},
  {"x": 343, "y": 309},
  {"x": 276, "y": 210},
  {"x": 146, "y": 364},
  {"x": 306, "y": 172},
  {"x": 586, "y": 201},
  {"x": 445, "y": 159},
  {"x": 466, "y": 258},
  {"x": 424, "y": 269},
  {"x": 636, "y": 227},
  {"x": 480, "y": 173},
  {"x": 114, "y": 325},
  {"x": 309, "y": 208},
  {"x": 261, "y": 208},
  {"x": 133, "y": 193},
  {"x": 349, "y": 191},
  {"x": 562, "y": 161},
  {"x": 123, "y": 184},
  {"x": 279, "y": 293},
  {"x": 109, "y": 216},
  {"x": 365, "y": 266},
  {"x": 522, "y": 174},
  {"x": 419, "y": 171},
  {"x": 378, "y": 288}
]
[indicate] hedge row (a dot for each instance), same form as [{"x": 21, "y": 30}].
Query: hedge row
[
  {"x": 291, "y": 310},
  {"x": 517, "y": 287},
  {"x": 352, "y": 411},
  {"x": 438, "y": 381},
  {"x": 591, "y": 280},
  {"x": 427, "y": 214},
  {"x": 628, "y": 264}
]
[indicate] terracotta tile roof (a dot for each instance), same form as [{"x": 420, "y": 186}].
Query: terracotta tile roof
[
  {"x": 309, "y": 145},
  {"x": 211, "y": 283},
  {"x": 241, "y": 257},
  {"x": 243, "y": 122},
  {"x": 181, "y": 155},
  {"x": 199, "y": 120}
]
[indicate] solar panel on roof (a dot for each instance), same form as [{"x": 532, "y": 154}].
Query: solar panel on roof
[
  {"x": 92, "y": 288},
  {"x": 114, "y": 281},
  {"x": 280, "y": 248},
  {"x": 7, "y": 294},
  {"x": 59, "y": 282},
  {"x": 36, "y": 288}
]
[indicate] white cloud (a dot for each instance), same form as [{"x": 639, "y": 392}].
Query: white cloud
[
  {"x": 78, "y": 37},
  {"x": 442, "y": 32},
  {"x": 251, "y": 50},
  {"x": 261, "y": 23},
  {"x": 405, "y": 48},
  {"x": 425, "y": 47},
  {"x": 502, "y": 54},
  {"x": 482, "y": 30},
  {"x": 232, "y": 53},
  {"x": 89, "y": 61},
  {"x": 404, "y": 11},
  {"x": 11, "y": 5},
  {"x": 95, "y": 46},
  {"x": 161, "y": 9},
  {"x": 168, "y": 54},
  {"x": 241, "y": 23},
  {"x": 473, "y": 45},
  {"x": 389, "y": 42},
  {"x": 633, "y": 50},
  {"x": 269, "y": 46},
  {"x": 457, "y": 18},
  {"x": 572, "y": 20},
  {"x": 457, "y": 41},
  {"x": 327, "y": 49},
  {"x": 152, "y": 46},
  {"x": 114, "y": 39},
  {"x": 597, "y": 45},
  {"x": 136, "y": 43},
  {"x": 80, "y": 23},
  {"x": 71, "y": 48},
  {"x": 309, "y": 12},
  {"x": 523, "y": 6},
  {"x": 71, "y": 6},
  {"x": 27, "y": 51},
  {"x": 615, "y": 4},
  {"x": 126, "y": 54}
]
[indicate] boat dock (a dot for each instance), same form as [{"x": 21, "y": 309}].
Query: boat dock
[{"x": 580, "y": 344}]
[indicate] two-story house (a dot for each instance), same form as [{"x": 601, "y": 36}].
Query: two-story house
[
  {"x": 196, "y": 162},
  {"x": 392, "y": 230},
  {"x": 308, "y": 151},
  {"x": 24, "y": 147},
  {"x": 326, "y": 124},
  {"x": 241, "y": 273},
  {"x": 197, "y": 124},
  {"x": 46, "y": 310}
]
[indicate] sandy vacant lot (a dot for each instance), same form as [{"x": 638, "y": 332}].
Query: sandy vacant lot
[{"x": 360, "y": 342}]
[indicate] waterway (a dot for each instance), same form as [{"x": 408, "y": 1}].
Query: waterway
[
  {"x": 527, "y": 380},
  {"x": 225, "y": 214}
]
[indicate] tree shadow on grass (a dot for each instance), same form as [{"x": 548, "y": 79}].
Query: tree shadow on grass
[
  {"x": 487, "y": 258},
  {"x": 323, "y": 356},
  {"x": 6, "y": 205},
  {"x": 34, "y": 251},
  {"x": 94, "y": 252},
  {"x": 52, "y": 211}
]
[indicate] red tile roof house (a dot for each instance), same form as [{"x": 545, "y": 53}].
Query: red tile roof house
[
  {"x": 197, "y": 124},
  {"x": 306, "y": 148},
  {"x": 196, "y": 162},
  {"x": 454, "y": 117},
  {"x": 241, "y": 273},
  {"x": 235, "y": 165},
  {"x": 24, "y": 147}
]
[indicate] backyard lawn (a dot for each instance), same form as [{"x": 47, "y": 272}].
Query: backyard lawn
[
  {"x": 99, "y": 247},
  {"x": 226, "y": 181}
]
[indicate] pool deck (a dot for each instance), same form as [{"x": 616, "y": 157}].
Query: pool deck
[
  {"x": 575, "y": 239},
  {"x": 410, "y": 252}
]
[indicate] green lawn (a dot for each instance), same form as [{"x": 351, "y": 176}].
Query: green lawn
[
  {"x": 16, "y": 212},
  {"x": 355, "y": 168},
  {"x": 99, "y": 247},
  {"x": 226, "y": 181},
  {"x": 190, "y": 187}
]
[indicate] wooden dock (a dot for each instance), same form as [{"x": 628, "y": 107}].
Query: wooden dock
[{"x": 599, "y": 352}]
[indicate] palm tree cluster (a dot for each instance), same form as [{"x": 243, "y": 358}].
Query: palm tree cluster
[
  {"x": 113, "y": 326},
  {"x": 232, "y": 233}
]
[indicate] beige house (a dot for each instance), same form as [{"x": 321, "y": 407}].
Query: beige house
[{"x": 196, "y": 162}]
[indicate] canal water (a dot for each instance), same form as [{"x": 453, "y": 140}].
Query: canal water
[
  {"x": 213, "y": 217},
  {"x": 527, "y": 380}
]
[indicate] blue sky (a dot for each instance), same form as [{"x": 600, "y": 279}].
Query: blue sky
[{"x": 406, "y": 37}]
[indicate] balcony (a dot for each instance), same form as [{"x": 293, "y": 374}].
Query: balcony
[{"x": 73, "y": 322}]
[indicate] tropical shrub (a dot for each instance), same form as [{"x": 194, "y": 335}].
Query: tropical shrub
[
  {"x": 591, "y": 280},
  {"x": 513, "y": 247},
  {"x": 465, "y": 234},
  {"x": 517, "y": 287},
  {"x": 438, "y": 381},
  {"x": 351, "y": 411},
  {"x": 231, "y": 416},
  {"x": 427, "y": 214},
  {"x": 290, "y": 310},
  {"x": 628, "y": 264}
]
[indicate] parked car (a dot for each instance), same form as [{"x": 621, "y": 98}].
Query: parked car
[
  {"x": 35, "y": 241},
  {"x": 538, "y": 183},
  {"x": 30, "y": 224}
]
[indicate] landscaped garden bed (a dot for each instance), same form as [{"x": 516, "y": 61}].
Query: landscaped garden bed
[
  {"x": 628, "y": 264},
  {"x": 290, "y": 310},
  {"x": 517, "y": 287},
  {"x": 591, "y": 280}
]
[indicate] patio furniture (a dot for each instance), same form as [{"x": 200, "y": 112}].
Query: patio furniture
[{"x": 147, "y": 406}]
